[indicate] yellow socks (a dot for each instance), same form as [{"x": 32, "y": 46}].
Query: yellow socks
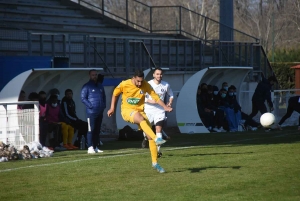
[
  {"x": 153, "y": 151},
  {"x": 147, "y": 129}
]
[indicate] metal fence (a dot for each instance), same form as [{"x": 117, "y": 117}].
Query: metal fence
[{"x": 18, "y": 127}]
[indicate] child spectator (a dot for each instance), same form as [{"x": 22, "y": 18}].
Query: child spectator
[
  {"x": 42, "y": 119},
  {"x": 56, "y": 120}
]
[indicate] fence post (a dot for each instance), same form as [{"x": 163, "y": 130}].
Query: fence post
[{"x": 287, "y": 97}]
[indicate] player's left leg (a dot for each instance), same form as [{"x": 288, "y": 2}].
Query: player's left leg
[{"x": 159, "y": 119}]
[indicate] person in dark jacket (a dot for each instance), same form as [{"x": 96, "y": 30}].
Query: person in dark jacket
[
  {"x": 69, "y": 111},
  {"x": 94, "y": 98},
  {"x": 294, "y": 105},
  {"x": 206, "y": 115},
  {"x": 262, "y": 93}
]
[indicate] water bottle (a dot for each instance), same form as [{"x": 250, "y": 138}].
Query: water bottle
[{"x": 82, "y": 142}]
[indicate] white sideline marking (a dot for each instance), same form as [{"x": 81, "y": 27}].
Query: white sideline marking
[{"x": 126, "y": 154}]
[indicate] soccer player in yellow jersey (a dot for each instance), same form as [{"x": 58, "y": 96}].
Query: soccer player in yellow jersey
[{"x": 132, "y": 109}]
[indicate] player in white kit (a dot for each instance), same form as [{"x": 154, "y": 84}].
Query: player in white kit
[{"x": 154, "y": 112}]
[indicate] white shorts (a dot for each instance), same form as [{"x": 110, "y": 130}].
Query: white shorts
[{"x": 156, "y": 116}]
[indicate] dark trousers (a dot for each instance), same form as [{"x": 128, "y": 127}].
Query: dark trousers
[
  {"x": 94, "y": 127},
  {"x": 43, "y": 132},
  {"x": 289, "y": 112},
  {"x": 57, "y": 136},
  {"x": 256, "y": 107},
  {"x": 219, "y": 118},
  {"x": 82, "y": 127},
  {"x": 251, "y": 122},
  {"x": 207, "y": 119}
]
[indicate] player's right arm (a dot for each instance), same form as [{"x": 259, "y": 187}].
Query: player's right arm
[
  {"x": 156, "y": 98},
  {"x": 117, "y": 91}
]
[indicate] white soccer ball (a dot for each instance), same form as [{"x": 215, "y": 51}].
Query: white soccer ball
[{"x": 267, "y": 119}]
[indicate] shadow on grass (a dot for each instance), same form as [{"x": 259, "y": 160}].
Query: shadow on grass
[
  {"x": 210, "y": 154},
  {"x": 259, "y": 137},
  {"x": 198, "y": 170}
]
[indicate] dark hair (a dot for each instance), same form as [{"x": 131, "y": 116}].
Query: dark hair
[
  {"x": 203, "y": 85},
  {"x": 232, "y": 87},
  {"x": 54, "y": 91},
  {"x": 138, "y": 73},
  {"x": 33, "y": 95},
  {"x": 67, "y": 91},
  {"x": 42, "y": 93},
  {"x": 22, "y": 92},
  {"x": 224, "y": 83},
  {"x": 216, "y": 88},
  {"x": 272, "y": 78},
  {"x": 92, "y": 70},
  {"x": 52, "y": 97},
  {"x": 210, "y": 87},
  {"x": 157, "y": 68}
]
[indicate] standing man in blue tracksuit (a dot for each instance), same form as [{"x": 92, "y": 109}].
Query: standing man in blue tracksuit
[
  {"x": 94, "y": 98},
  {"x": 262, "y": 93}
]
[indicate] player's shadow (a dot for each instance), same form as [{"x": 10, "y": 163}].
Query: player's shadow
[
  {"x": 208, "y": 154},
  {"x": 198, "y": 170}
]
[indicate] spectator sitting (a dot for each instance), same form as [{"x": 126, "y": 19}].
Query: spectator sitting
[
  {"x": 225, "y": 86},
  {"x": 69, "y": 111},
  {"x": 233, "y": 112},
  {"x": 57, "y": 121},
  {"x": 222, "y": 104},
  {"x": 220, "y": 121},
  {"x": 22, "y": 97},
  {"x": 33, "y": 96},
  {"x": 252, "y": 125},
  {"x": 203, "y": 87},
  {"x": 53, "y": 91},
  {"x": 206, "y": 115},
  {"x": 42, "y": 119}
]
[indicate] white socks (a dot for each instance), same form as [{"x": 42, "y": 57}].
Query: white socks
[{"x": 158, "y": 135}]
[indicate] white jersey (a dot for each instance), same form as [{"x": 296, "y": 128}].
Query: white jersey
[{"x": 161, "y": 90}]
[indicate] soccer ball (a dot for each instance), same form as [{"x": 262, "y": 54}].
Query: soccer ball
[{"x": 267, "y": 119}]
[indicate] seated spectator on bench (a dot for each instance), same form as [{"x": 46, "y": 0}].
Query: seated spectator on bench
[
  {"x": 232, "y": 110},
  {"x": 33, "y": 96},
  {"x": 42, "y": 119},
  {"x": 56, "y": 121},
  {"x": 220, "y": 121},
  {"x": 252, "y": 125},
  {"x": 53, "y": 91},
  {"x": 206, "y": 115},
  {"x": 69, "y": 111},
  {"x": 225, "y": 86},
  {"x": 22, "y": 97}
]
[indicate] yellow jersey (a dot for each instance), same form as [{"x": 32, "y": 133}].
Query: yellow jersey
[{"x": 133, "y": 97}]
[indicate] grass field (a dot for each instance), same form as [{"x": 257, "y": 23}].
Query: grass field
[{"x": 218, "y": 166}]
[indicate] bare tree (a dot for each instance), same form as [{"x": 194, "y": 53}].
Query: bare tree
[{"x": 265, "y": 19}]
